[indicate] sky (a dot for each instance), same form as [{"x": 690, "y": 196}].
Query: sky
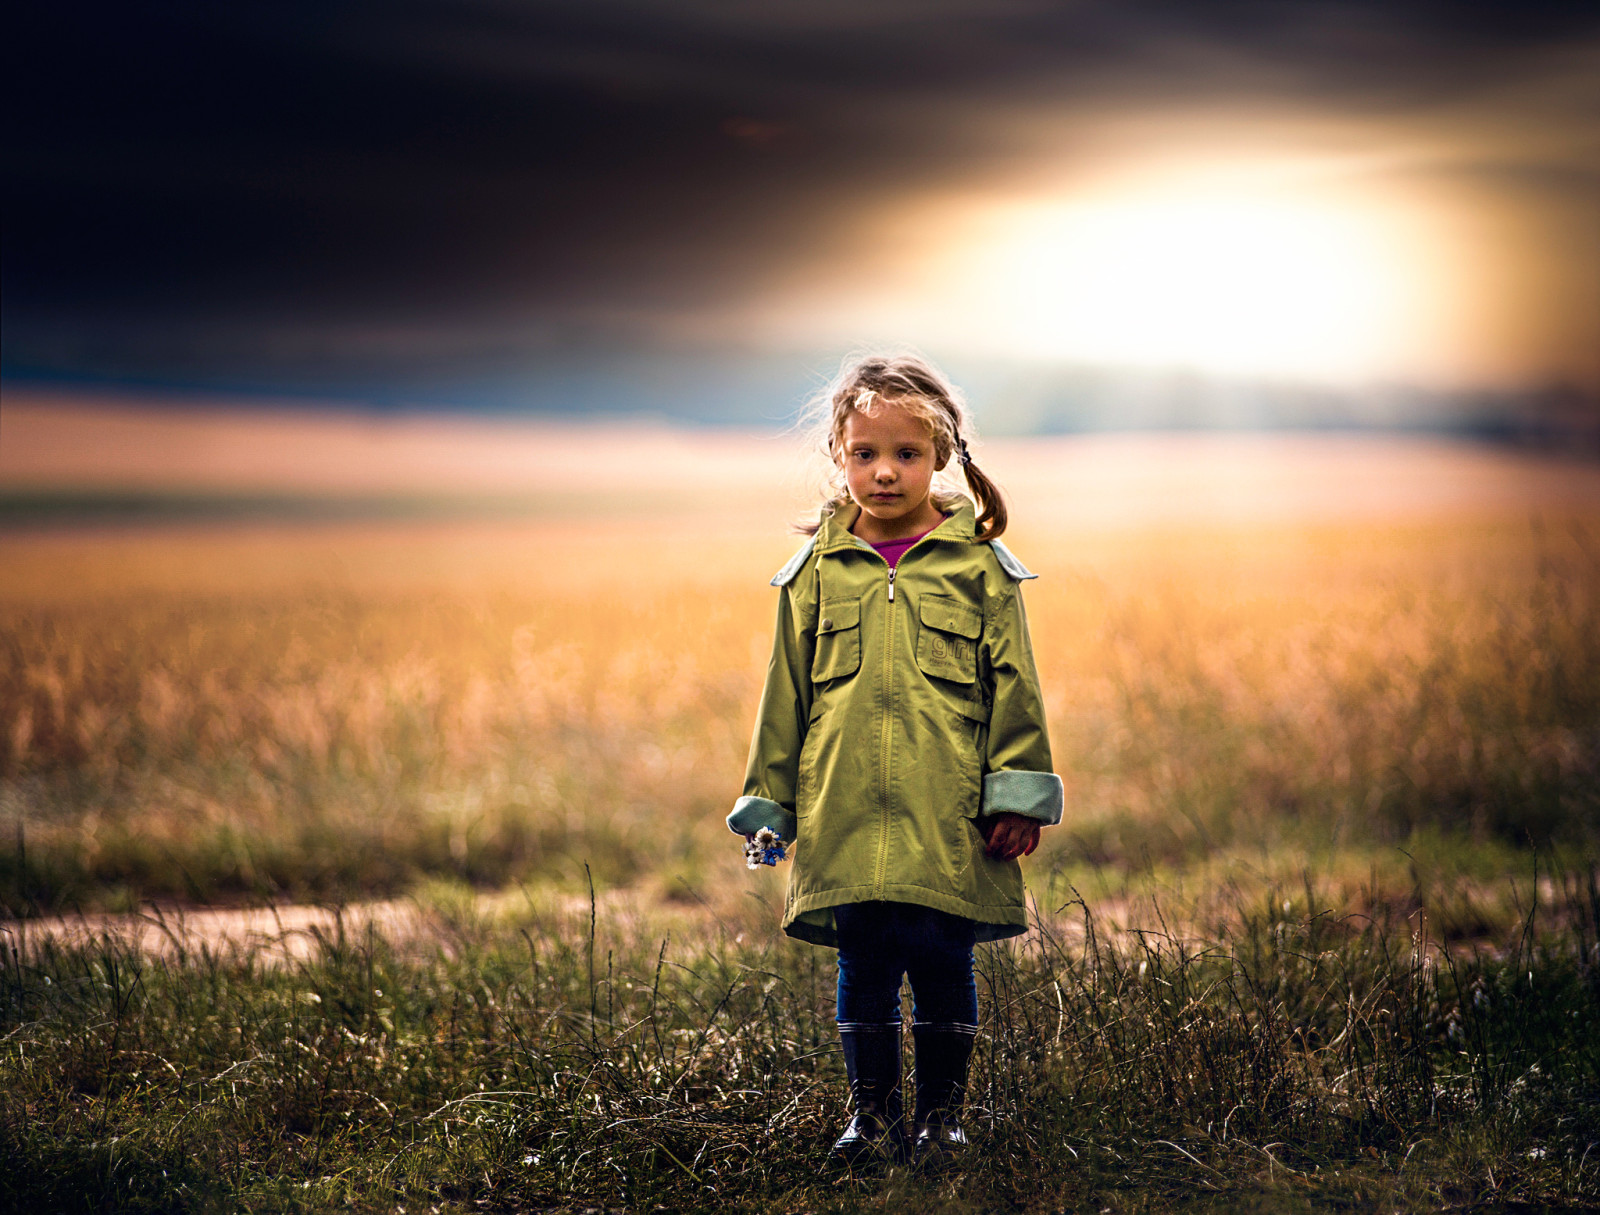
[{"x": 698, "y": 206}]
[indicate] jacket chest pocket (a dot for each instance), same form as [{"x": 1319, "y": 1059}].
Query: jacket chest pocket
[
  {"x": 947, "y": 642},
  {"x": 838, "y": 640}
]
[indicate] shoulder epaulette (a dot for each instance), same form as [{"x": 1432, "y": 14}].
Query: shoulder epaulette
[
  {"x": 1013, "y": 568},
  {"x": 787, "y": 574}
]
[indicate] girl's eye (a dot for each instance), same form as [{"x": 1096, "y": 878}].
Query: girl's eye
[{"x": 909, "y": 453}]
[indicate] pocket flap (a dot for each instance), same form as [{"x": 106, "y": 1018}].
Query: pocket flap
[
  {"x": 838, "y": 640},
  {"x": 837, "y": 614},
  {"x": 950, "y": 616}
]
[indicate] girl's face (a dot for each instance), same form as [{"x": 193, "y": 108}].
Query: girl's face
[{"x": 889, "y": 460}]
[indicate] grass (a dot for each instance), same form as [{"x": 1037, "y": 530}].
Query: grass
[
  {"x": 205, "y": 717},
  {"x": 1319, "y": 931},
  {"x": 553, "y": 1058}
]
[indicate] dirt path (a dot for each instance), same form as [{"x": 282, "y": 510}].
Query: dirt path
[
  {"x": 294, "y": 932},
  {"x": 289, "y": 932}
]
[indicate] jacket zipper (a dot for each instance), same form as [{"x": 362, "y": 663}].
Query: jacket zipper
[{"x": 888, "y": 728}]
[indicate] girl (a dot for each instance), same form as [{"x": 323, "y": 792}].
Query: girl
[{"x": 901, "y": 744}]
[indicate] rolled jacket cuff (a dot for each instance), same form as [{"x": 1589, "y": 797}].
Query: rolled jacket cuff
[
  {"x": 1036, "y": 795},
  {"x": 750, "y": 814}
]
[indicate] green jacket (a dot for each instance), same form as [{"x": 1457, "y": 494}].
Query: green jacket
[{"x": 900, "y": 706}]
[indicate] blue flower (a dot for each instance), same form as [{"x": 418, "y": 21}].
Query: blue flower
[{"x": 763, "y": 848}]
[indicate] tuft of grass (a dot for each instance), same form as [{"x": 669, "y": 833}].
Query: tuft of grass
[{"x": 562, "y": 1059}]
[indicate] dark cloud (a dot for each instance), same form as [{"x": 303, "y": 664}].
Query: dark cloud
[{"x": 187, "y": 184}]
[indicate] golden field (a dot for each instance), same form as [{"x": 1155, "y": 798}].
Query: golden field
[
  {"x": 1318, "y": 931},
  {"x": 1263, "y": 657}
]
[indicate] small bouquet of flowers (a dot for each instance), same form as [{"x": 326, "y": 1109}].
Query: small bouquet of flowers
[{"x": 763, "y": 848}]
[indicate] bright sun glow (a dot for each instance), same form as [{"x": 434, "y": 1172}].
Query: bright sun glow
[
  {"x": 1224, "y": 283},
  {"x": 1304, "y": 268}
]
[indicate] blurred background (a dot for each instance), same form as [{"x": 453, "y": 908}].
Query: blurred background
[
  {"x": 394, "y": 435},
  {"x": 1099, "y": 216}
]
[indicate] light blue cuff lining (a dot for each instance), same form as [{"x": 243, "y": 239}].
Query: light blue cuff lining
[
  {"x": 1036, "y": 795},
  {"x": 750, "y": 814}
]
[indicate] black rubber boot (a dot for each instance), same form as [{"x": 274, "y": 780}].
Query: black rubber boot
[
  {"x": 872, "y": 1061},
  {"x": 943, "y": 1052}
]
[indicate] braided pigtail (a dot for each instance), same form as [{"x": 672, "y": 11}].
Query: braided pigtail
[{"x": 992, "y": 516}]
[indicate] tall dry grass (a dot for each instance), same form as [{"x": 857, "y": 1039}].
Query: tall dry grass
[
  {"x": 1359, "y": 682},
  {"x": 214, "y": 714},
  {"x": 319, "y": 737}
]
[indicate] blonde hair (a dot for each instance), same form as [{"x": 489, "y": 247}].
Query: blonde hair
[{"x": 868, "y": 383}]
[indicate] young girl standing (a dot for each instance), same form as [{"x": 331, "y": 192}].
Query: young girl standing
[{"x": 901, "y": 744}]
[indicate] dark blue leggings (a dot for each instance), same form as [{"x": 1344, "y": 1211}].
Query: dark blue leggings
[{"x": 881, "y": 942}]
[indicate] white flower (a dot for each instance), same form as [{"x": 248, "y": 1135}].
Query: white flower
[{"x": 765, "y": 847}]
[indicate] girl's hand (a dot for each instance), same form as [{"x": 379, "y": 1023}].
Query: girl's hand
[{"x": 1011, "y": 835}]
